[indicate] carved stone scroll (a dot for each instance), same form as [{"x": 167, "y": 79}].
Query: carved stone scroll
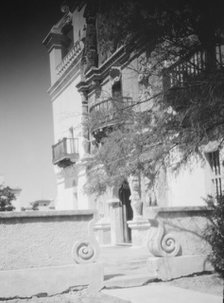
[
  {"x": 86, "y": 250},
  {"x": 161, "y": 244}
]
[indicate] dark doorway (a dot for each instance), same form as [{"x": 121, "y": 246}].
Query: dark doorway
[{"x": 127, "y": 213}]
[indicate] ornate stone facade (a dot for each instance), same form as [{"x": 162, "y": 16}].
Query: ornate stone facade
[{"x": 84, "y": 80}]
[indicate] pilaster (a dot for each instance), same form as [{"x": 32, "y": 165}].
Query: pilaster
[{"x": 85, "y": 144}]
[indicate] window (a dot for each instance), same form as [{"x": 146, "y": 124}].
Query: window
[
  {"x": 214, "y": 163},
  {"x": 116, "y": 90}
]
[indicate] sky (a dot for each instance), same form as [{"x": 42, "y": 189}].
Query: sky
[{"x": 26, "y": 125}]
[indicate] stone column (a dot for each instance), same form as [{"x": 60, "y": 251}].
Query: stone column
[
  {"x": 84, "y": 144},
  {"x": 116, "y": 221}
]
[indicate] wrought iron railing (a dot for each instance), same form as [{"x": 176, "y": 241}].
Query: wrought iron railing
[
  {"x": 66, "y": 151},
  {"x": 111, "y": 104},
  {"x": 108, "y": 112},
  {"x": 178, "y": 74}
]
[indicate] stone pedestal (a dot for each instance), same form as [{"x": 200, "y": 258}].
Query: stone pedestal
[
  {"x": 102, "y": 231},
  {"x": 116, "y": 221},
  {"x": 139, "y": 231},
  {"x": 168, "y": 268}
]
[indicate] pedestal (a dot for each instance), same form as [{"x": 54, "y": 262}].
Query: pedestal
[
  {"x": 116, "y": 221},
  {"x": 102, "y": 231},
  {"x": 139, "y": 231}
]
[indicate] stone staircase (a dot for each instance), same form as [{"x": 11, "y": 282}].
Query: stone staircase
[{"x": 125, "y": 266}]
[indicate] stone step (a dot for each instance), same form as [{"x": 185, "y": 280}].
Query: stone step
[
  {"x": 129, "y": 263},
  {"x": 125, "y": 281}
]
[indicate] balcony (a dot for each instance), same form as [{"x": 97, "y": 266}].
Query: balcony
[
  {"x": 106, "y": 111},
  {"x": 70, "y": 58},
  {"x": 188, "y": 76},
  {"x": 65, "y": 152}
]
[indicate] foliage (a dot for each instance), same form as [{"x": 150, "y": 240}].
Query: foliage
[
  {"x": 176, "y": 120},
  {"x": 6, "y": 197},
  {"x": 214, "y": 234}
]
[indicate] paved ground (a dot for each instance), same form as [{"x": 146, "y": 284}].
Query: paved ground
[
  {"x": 206, "y": 283},
  {"x": 79, "y": 297},
  {"x": 125, "y": 266},
  {"x": 122, "y": 263},
  {"x": 198, "y": 289},
  {"x": 162, "y": 293}
]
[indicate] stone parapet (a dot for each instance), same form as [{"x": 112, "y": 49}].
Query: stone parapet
[
  {"x": 4, "y": 216},
  {"x": 177, "y": 230},
  {"x": 39, "y": 249},
  {"x": 41, "y": 238}
]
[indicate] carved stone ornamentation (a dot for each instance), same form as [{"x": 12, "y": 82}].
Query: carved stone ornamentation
[
  {"x": 136, "y": 202},
  {"x": 161, "y": 244},
  {"x": 84, "y": 251},
  {"x": 87, "y": 250}
]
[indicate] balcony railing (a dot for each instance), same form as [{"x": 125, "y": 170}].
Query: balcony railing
[
  {"x": 106, "y": 111},
  {"x": 110, "y": 104},
  {"x": 70, "y": 57},
  {"x": 182, "y": 71},
  {"x": 65, "y": 152}
]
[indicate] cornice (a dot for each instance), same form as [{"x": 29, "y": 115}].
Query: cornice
[
  {"x": 55, "y": 36},
  {"x": 121, "y": 57},
  {"x": 55, "y": 40},
  {"x": 97, "y": 74}
]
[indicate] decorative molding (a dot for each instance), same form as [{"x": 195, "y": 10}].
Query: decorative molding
[
  {"x": 140, "y": 224},
  {"x": 153, "y": 211},
  {"x": 71, "y": 74},
  {"x": 99, "y": 73},
  {"x": 43, "y": 214},
  {"x": 114, "y": 202},
  {"x": 55, "y": 40},
  {"x": 70, "y": 58},
  {"x": 65, "y": 20},
  {"x": 102, "y": 224}
]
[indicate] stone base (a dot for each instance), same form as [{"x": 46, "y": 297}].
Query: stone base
[
  {"x": 50, "y": 280},
  {"x": 168, "y": 268},
  {"x": 102, "y": 231},
  {"x": 139, "y": 231}
]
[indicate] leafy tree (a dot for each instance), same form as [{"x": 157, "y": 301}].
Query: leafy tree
[
  {"x": 6, "y": 197},
  {"x": 182, "y": 91},
  {"x": 177, "y": 118}
]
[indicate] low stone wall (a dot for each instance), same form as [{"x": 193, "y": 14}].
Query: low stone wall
[
  {"x": 40, "y": 239},
  {"x": 179, "y": 230},
  {"x": 176, "y": 241}
]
